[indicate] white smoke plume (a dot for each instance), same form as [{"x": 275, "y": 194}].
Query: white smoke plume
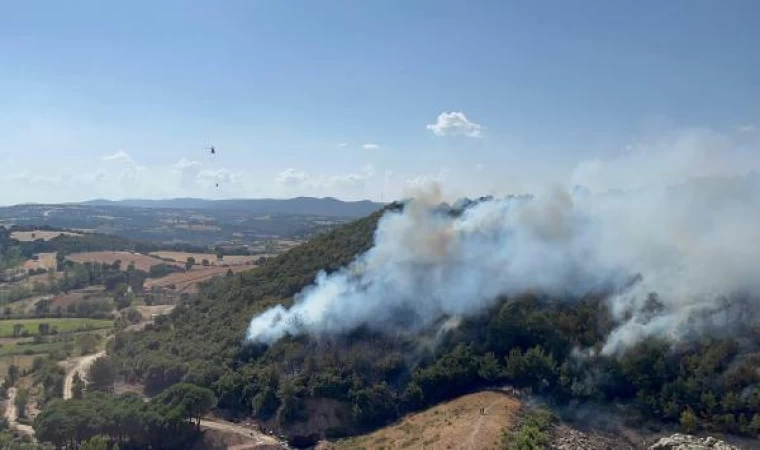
[{"x": 694, "y": 242}]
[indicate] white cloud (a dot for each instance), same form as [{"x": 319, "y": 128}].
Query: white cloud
[
  {"x": 291, "y": 177},
  {"x": 349, "y": 181},
  {"x": 212, "y": 177},
  {"x": 426, "y": 181},
  {"x": 343, "y": 145},
  {"x": 188, "y": 173},
  {"x": 748, "y": 128},
  {"x": 455, "y": 124},
  {"x": 119, "y": 157},
  {"x": 479, "y": 166},
  {"x": 370, "y": 146},
  {"x": 184, "y": 164},
  {"x": 327, "y": 184}
]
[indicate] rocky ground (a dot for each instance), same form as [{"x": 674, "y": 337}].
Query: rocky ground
[
  {"x": 566, "y": 438},
  {"x": 688, "y": 442}
]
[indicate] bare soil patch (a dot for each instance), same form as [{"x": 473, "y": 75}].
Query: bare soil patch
[
  {"x": 43, "y": 261},
  {"x": 64, "y": 300}
]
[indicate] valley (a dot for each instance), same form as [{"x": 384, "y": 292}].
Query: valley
[
  {"x": 123, "y": 321},
  {"x": 66, "y": 293}
]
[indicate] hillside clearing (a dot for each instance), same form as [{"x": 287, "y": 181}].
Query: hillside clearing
[
  {"x": 43, "y": 261},
  {"x": 23, "y": 362},
  {"x": 28, "y": 236},
  {"x": 141, "y": 262},
  {"x": 187, "y": 281},
  {"x": 181, "y": 257},
  {"x": 457, "y": 424}
]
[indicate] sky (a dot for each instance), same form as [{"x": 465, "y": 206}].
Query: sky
[{"x": 370, "y": 99}]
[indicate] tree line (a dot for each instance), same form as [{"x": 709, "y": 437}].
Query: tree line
[{"x": 127, "y": 420}]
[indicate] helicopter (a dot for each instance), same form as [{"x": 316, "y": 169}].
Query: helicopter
[{"x": 212, "y": 150}]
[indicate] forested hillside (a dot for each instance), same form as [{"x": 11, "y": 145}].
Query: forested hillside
[{"x": 364, "y": 379}]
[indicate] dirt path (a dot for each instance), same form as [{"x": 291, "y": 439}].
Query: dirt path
[
  {"x": 468, "y": 444},
  {"x": 228, "y": 427},
  {"x": 78, "y": 365},
  {"x": 11, "y": 414}
]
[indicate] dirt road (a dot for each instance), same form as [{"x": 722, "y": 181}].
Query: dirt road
[
  {"x": 82, "y": 364},
  {"x": 78, "y": 365},
  {"x": 227, "y": 427},
  {"x": 11, "y": 414}
]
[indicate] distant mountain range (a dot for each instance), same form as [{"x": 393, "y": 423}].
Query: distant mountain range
[{"x": 327, "y": 206}]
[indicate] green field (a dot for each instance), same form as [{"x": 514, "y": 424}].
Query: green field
[
  {"x": 13, "y": 348},
  {"x": 62, "y": 325}
]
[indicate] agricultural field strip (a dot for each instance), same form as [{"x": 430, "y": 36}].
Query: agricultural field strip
[{"x": 62, "y": 325}]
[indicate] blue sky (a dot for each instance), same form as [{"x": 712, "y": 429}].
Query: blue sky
[{"x": 367, "y": 99}]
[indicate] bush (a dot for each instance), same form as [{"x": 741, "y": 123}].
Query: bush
[{"x": 531, "y": 433}]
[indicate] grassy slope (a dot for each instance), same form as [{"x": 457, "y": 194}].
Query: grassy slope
[
  {"x": 209, "y": 335},
  {"x": 454, "y": 424}
]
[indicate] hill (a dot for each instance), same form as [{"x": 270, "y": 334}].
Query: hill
[
  {"x": 327, "y": 206},
  {"x": 263, "y": 226},
  {"x": 357, "y": 381},
  {"x": 471, "y": 421}
]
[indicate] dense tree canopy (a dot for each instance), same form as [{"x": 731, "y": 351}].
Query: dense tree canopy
[
  {"x": 101, "y": 375},
  {"x": 126, "y": 420}
]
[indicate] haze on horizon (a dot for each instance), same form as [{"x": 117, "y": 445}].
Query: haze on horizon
[{"x": 372, "y": 100}]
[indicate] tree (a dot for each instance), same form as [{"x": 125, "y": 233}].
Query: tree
[
  {"x": 88, "y": 343},
  {"x": 489, "y": 369},
  {"x": 754, "y": 425},
  {"x": 689, "y": 423},
  {"x": 102, "y": 375},
  {"x": 120, "y": 290},
  {"x": 42, "y": 307},
  {"x": 204, "y": 262},
  {"x": 77, "y": 386},
  {"x": 95, "y": 443},
  {"x": 44, "y": 328},
  {"x": 13, "y": 374},
  {"x": 17, "y": 329},
  {"x": 132, "y": 315},
  {"x": 123, "y": 301},
  {"x": 188, "y": 401},
  {"x": 60, "y": 260},
  {"x": 189, "y": 263},
  {"x": 22, "y": 398}
]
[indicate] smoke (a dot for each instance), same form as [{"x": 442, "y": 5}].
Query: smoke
[{"x": 692, "y": 242}]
